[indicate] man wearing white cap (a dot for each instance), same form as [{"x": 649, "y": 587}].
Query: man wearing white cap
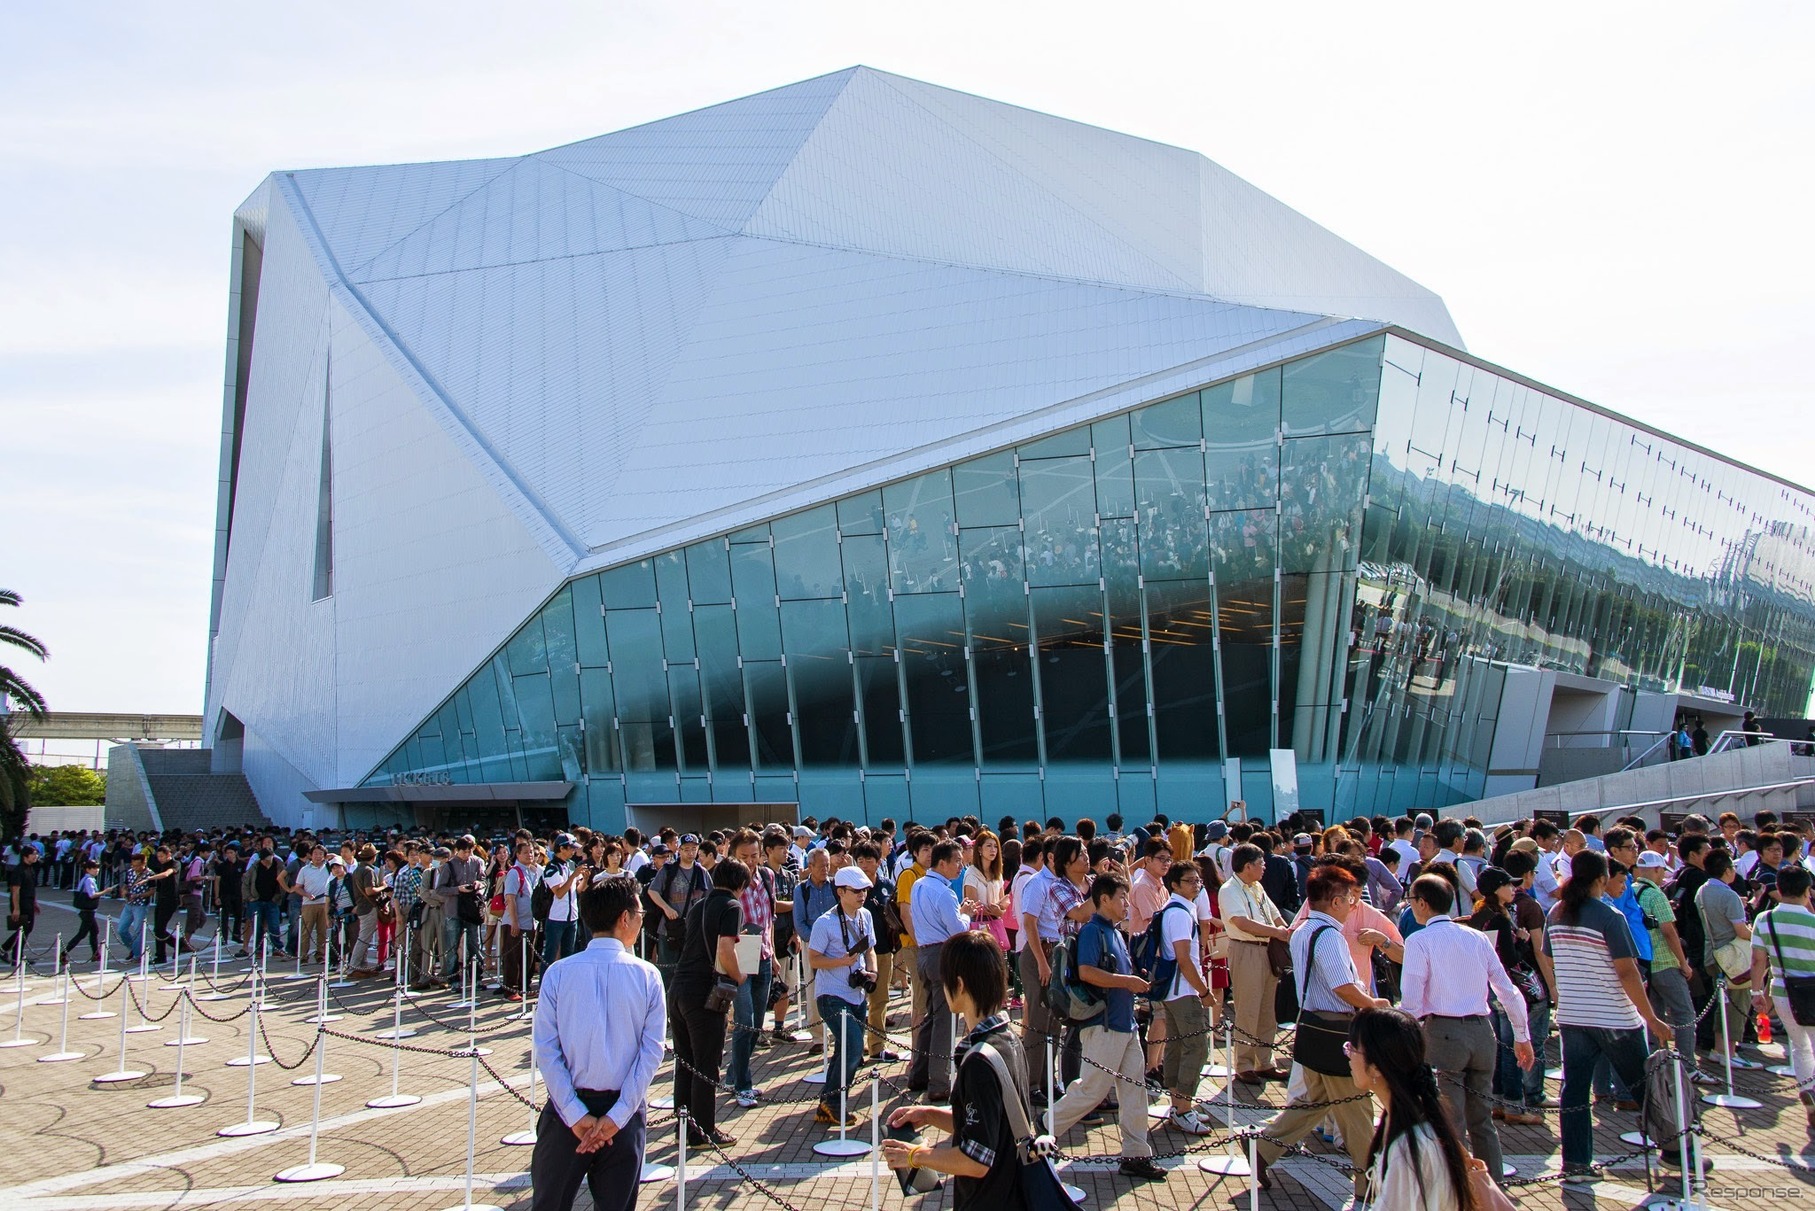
[
  {"x": 841, "y": 953},
  {"x": 1668, "y": 983}
]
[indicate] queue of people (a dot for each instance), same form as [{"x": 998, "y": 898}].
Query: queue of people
[{"x": 1422, "y": 963}]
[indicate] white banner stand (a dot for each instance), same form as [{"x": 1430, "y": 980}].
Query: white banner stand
[{"x": 253, "y": 1124}]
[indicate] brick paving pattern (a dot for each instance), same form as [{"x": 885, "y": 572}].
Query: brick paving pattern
[{"x": 67, "y": 1143}]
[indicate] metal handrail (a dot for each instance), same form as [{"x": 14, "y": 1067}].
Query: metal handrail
[
  {"x": 1699, "y": 795},
  {"x": 1721, "y": 743}
]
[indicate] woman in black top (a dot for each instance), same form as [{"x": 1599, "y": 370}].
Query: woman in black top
[
  {"x": 982, "y": 1155},
  {"x": 699, "y": 1033}
]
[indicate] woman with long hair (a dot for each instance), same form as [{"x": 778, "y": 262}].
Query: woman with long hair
[
  {"x": 1415, "y": 1161},
  {"x": 983, "y": 880}
]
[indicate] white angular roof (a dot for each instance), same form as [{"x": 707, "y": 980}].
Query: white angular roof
[{"x": 685, "y": 326}]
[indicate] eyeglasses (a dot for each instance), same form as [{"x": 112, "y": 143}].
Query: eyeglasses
[{"x": 1350, "y": 1050}]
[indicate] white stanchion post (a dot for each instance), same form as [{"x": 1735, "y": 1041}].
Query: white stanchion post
[
  {"x": 176, "y": 960},
  {"x": 320, "y": 941},
  {"x": 400, "y": 974},
  {"x": 144, "y": 952},
  {"x": 59, "y": 993},
  {"x": 825, "y": 1043},
  {"x": 320, "y": 1019},
  {"x": 253, "y": 1124},
  {"x": 1052, "y": 1080},
  {"x": 876, "y": 1137},
  {"x": 179, "y": 1098},
  {"x": 1729, "y": 1099},
  {"x": 187, "y": 992},
  {"x": 472, "y": 1141},
  {"x": 466, "y": 992},
  {"x": 522, "y": 1139},
  {"x": 215, "y": 979},
  {"x": 63, "y": 1053},
  {"x": 472, "y": 1020},
  {"x": 1254, "y": 1172},
  {"x": 101, "y": 1011},
  {"x": 1229, "y": 1164},
  {"x": 19, "y": 1010},
  {"x": 841, "y": 1146},
  {"x": 315, "y": 1170},
  {"x": 680, "y": 1156},
  {"x": 121, "y": 1073}
]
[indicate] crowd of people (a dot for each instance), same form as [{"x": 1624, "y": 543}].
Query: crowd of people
[{"x": 1036, "y": 969}]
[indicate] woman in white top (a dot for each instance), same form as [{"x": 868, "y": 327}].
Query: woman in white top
[
  {"x": 983, "y": 880},
  {"x": 1415, "y": 1162}
]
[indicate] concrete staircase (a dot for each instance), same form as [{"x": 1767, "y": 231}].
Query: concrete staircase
[{"x": 166, "y": 788}]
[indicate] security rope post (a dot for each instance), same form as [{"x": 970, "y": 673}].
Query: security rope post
[
  {"x": 187, "y": 992},
  {"x": 842, "y": 1146},
  {"x": 59, "y": 993},
  {"x": 1254, "y": 1171},
  {"x": 122, "y": 1072},
  {"x": 876, "y": 1139},
  {"x": 320, "y": 1019},
  {"x": 315, "y": 1170},
  {"x": 176, "y": 961},
  {"x": 214, "y": 993},
  {"x": 398, "y": 1030},
  {"x": 1229, "y": 1164},
  {"x": 680, "y": 1158},
  {"x": 472, "y": 1138},
  {"x": 253, "y": 1124},
  {"x": 99, "y": 995},
  {"x": 179, "y": 1099},
  {"x": 63, "y": 1054},
  {"x": 523, "y": 1139},
  {"x": 472, "y": 1018},
  {"x": 1729, "y": 1099},
  {"x": 19, "y": 1010}
]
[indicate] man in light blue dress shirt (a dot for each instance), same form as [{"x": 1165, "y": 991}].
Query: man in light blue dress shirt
[
  {"x": 598, "y": 1039},
  {"x": 936, "y": 916}
]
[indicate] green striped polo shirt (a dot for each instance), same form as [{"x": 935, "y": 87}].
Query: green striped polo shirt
[{"x": 1791, "y": 928}]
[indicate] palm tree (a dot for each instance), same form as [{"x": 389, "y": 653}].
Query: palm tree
[
  {"x": 12, "y": 685},
  {"x": 15, "y": 770}
]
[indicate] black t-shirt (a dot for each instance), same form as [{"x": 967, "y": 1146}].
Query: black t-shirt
[
  {"x": 229, "y": 873},
  {"x": 719, "y": 915},
  {"x": 265, "y": 879},
  {"x": 167, "y": 889},
  {"x": 24, "y": 877},
  {"x": 980, "y": 1126}
]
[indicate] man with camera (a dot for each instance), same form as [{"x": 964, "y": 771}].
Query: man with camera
[
  {"x": 458, "y": 882},
  {"x": 842, "y": 946}
]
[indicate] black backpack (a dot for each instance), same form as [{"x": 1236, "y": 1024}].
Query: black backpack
[{"x": 541, "y": 899}]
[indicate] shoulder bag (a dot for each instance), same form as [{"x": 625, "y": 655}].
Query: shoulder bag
[
  {"x": 1799, "y": 989},
  {"x": 1319, "y": 1039},
  {"x": 1041, "y": 1189}
]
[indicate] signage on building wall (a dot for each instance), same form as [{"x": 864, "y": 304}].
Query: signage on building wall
[{"x": 423, "y": 779}]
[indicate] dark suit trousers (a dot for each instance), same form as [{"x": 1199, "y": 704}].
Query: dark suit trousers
[{"x": 556, "y": 1169}]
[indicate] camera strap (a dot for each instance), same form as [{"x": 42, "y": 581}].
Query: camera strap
[{"x": 845, "y": 933}]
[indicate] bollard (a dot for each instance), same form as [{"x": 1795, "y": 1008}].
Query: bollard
[
  {"x": 253, "y": 1124},
  {"x": 122, "y": 1073},
  {"x": 63, "y": 1053},
  {"x": 314, "y": 1171},
  {"x": 179, "y": 1098}
]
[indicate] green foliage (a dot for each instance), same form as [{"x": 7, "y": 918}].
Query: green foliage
[
  {"x": 12, "y": 685},
  {"x": 67, "y": 786},
  {"x": 15, "y": 785}
]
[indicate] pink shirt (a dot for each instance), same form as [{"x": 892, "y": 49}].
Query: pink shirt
[
  {"x": 1145, "y": 895},
  {"x": 1362, "y": 916}
]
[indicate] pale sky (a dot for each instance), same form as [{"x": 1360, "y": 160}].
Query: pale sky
[{"x": 1613, "y": 198}]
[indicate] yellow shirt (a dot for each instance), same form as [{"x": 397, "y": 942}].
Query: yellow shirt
[{"x": 904, "y": 888}]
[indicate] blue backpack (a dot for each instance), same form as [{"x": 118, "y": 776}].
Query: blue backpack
[{"x": 1154, "y": 961}]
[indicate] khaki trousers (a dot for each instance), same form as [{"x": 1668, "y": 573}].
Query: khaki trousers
[
  {"x": 1354, "y": 1119},
  {"x": 1117, "y": 1052},
  {"x": 874, "y": 1038},
  {"x": 1253, "y": 984},
  {"x": 314, "y": 932}
]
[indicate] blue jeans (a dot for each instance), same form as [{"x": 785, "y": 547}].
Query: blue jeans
[
  {"x": 1525, "y": 1088},
  {"x": 265, "y": 922},
  {"x": 1583, "y": 1047},
  {"x": 451, "y": 931},
  {"x": 132, "y": 927},
  {"x": 845, "y": 1021},
  {"x": 558, "y": 940},
  {"x": 747, "y": 1022}
]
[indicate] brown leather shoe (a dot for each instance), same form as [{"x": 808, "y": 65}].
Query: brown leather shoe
[
  {"x": 1499, "y": 1115},
  {"x": 1282, "y": 1075},
  {"x": 1250, "y": 1078}
]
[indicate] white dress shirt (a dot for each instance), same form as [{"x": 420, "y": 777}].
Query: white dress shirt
[
  {"x": 599, "y": 1026},
  {"x": 1448, "y": 971}
]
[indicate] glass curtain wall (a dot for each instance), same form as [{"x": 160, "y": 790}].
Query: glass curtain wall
[{"x": 1331, "y": 556}]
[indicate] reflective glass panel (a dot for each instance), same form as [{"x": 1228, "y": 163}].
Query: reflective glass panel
[
  {"x": 806, "y": 555},
  {"x": 1074, "y": 682}
]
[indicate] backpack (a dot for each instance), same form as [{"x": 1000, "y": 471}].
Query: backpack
[
  {"x": 1067, "y": 997},
  {"x": 541, "y": 899},
  {"x": 1153, "y": 959}
]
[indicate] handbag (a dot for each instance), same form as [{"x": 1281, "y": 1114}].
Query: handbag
[
  {"x": 1318, "y": 1042},
  {"x": 1799, "y": 989},
  {"x": 1041, "y": 1189}
]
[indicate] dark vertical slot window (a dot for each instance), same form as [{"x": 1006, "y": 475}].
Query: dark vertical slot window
[
  {"x": 938, "y": 689},
  {"x": 1074, "y": 678}
]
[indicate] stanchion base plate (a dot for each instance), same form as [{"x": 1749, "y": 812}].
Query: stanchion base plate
[
  {"x": 240, "y": 1061},
  {"x": 97, "y": 1016},
  {"x": 1507, "y": 1170},
  {"x": 20, "y": 1043},
  {"x": 215, "y": 996},
  {"x": 191, "y": 1040},
  {"x": 655, "y": 1173},
  {"x": 176, "y": 1101},
  {"x": 661, "y": 1103},
  {"x": 461, "y": 1004},
  {"x": 51, "y": 1001},
  {"x": 1160, "y": 1110},
  {"x": 814, "y": 1078},
  {"x": 1072, "y": 1192},
  {"x": 255, "y": 1127},
  {"x": 844, "y": 1147},
  {"x": 395, "y": 1101},
  {"x": 1228, "y": 1166},
  {"x": 475, "y": 1207},
  {"x": 394, "y": 1035},
  {"x": 327, "y": 1078},
  {"x": 117, "y": 1076},
  {"x": 145, "y": 1028},
  {"x": 1636, "y": 1139},
  {"x": 1218, "y": 1070},
  {"x": 316, "y": 1019},
  {"x": 519, "y": 1139},
  {"x": 59, "y": 1057},
  {"x": 320, "y": 1171},
  {"x": 1742, "y": 1062},
  {"x": 1732, "y": 1101},
  {"x": 1780, "y": 1070}
]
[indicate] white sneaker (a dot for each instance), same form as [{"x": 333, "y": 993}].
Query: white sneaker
[
  {"x": 746, "y": 1098},
  {"x": 1189, "y": 1123}
]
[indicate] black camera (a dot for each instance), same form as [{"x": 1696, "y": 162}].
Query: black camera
[{"x": 863, "y": 980}]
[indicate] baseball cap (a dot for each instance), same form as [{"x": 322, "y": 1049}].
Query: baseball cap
[
  {"x": 1652, "y": 860},
  {"x": 1302, "y": 841},
  {"x": 1216, "y": 830},
  {"x": 658, "y": 848},
  {"x": 441, "y": 851},
  {"x": 690, "y": 839},
  {"x": 336, "y": 860},
  {"x": 851, "y": 876},
  {"x": 801, "y": 830},
  {"x": 1492, "y": 879}
]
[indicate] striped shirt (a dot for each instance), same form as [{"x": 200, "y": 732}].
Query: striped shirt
[
  {"x": 1589, "y": 992},
  {"x": 1791, "y": 928}
]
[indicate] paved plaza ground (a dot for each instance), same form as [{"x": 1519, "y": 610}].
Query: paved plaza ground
[{"x": 67, "y": 1142}]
